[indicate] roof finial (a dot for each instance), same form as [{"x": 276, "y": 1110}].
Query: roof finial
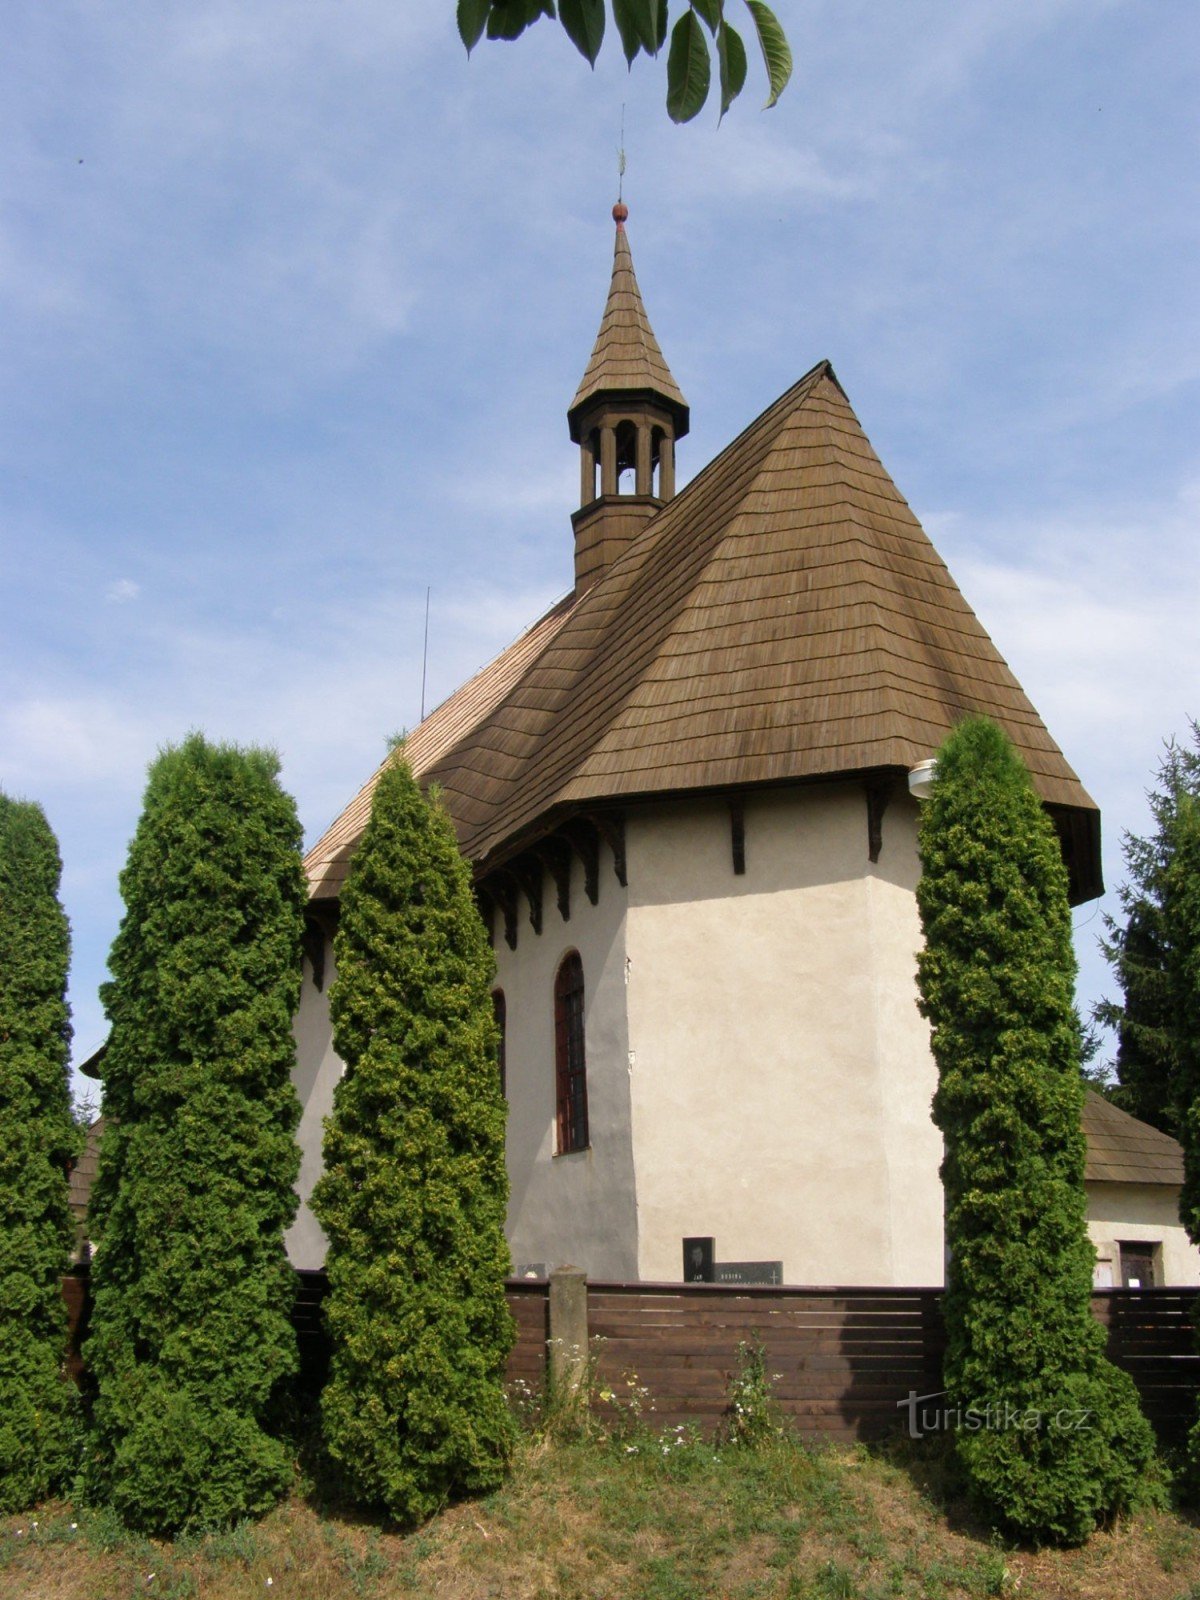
[{"x": 621, "y": 210}]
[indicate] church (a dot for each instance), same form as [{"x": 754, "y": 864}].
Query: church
[{"x": 689, "y": 794}]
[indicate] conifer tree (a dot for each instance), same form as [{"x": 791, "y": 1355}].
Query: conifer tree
[
  {"x": 191, "y": 1334},
  {"x": 1181, "y": 924},
  {"x": 38, "y": 1141},
  {"x": 414, "y": 1192},
  {"x": 1139, "y": 953},
  {"x": 1062, "y": 1442}
]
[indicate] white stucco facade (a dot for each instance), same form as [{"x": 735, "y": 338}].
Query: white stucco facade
[
  {"x": 579, "y": 1208},
  {"x": 780, "y": 1073},
  {"x": 317, "y": 1071},
  {"x": 757, "y": 1069}
]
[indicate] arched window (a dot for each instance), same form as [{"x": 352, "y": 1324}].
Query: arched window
[
  {"x": 570, "y": 1063},
  {"x": 500, "y": 1012}
]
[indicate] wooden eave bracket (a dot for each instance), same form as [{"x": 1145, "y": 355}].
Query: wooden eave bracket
[
  {"x": 610, "y": 825},
  {"x": 501, "y": 887},
  {"x": 583, "y": 838},
  {"x": 555, "y": 855},
  {"x": 487, "y": 910},
  {"x": 527, "y": 870},
  {"x": 878, "y": 792},
  {"x": 737, "y": 834},
  {"x": 320, "y": 923}
]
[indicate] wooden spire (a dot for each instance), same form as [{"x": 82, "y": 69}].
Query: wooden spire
[{"x": 626, "y": 359}]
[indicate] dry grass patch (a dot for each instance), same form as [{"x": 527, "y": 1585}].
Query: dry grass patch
[{"x": 626, "y": 1520}]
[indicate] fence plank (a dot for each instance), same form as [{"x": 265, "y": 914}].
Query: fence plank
[{"x": 847, "y": 1358}]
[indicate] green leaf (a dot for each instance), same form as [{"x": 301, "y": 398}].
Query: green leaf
[
  {"x": 638, "y": 23},
  {"x": 660, "y": 26},
  {"x": 776, "y": 52},
  {"x": 510, "y": 18},
  {"x": 731, "y": 56},
  {"x": 710, "y": 11},
  {"x": 584, "y": 22},
  {"x": 472, "y": 19},
  {"x": 688, "y": 69}
]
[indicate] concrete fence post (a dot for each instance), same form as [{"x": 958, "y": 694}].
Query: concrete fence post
[{"x": 568, "y": 1340}]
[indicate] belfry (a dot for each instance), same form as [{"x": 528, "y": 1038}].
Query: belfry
[{"x": 626, "y": 416}]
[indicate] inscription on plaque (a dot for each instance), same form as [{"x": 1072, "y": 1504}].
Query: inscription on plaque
[
  {"x": 698, "y": 1260},
  {"x": 748, "y": 1271},
  {"x": 700, "y": 1266}
]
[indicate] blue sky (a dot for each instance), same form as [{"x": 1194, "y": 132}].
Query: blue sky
[{"x": 295, "y": 297}]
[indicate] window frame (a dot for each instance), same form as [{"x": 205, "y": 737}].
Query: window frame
[
  {"x": 572, "y": 1132},
  {"x": 500, "y": 1014}
]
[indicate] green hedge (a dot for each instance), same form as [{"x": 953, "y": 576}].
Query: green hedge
[
  {"x": 38, "y": 1141},
  {"x": 415, "y": 1188},
  {"x": 191, "y": 1335},
  {"x": 1063, "y": 1444}
]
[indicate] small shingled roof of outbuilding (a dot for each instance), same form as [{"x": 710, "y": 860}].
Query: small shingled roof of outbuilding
[
  {"x": 626, "y": 358},
  {"x": 83, "y": 1173},
  {"x": 1123, "y": 1149}
]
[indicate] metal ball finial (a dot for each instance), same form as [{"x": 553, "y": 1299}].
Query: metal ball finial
[{"x": 620, "y": 213}]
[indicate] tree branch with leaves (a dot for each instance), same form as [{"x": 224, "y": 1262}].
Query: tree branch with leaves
[{"x": 643, "y": 27}]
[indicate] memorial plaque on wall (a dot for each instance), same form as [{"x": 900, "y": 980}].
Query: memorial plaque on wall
[
  {"x": 698, "y": 1260},
  {"x": 748, "y": 1272}
]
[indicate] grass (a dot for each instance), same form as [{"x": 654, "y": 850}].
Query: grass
[{"x": 639, "y": 1517}]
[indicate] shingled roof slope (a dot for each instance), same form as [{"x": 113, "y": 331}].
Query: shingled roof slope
[
  {"x": 626, "y": 356},
  {"x": 83, "y": 1174},
  {"x": 447, "y": 725},
  {"x": 784, "y": 618},
  {"x": 1122, "y": 1149}
]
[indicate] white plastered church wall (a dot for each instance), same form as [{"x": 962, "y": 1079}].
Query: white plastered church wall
[
  {"x": 781, "y": 1073},
  {"x": 315, "y": 1076},
  {"x": 579, "y": 1208}
]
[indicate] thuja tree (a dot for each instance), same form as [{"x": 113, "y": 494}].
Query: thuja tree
[
  {"x": 38, "y": 1436},
  {"x": 414, "y": 1191},
  {"x": 1181, "y": 925},
  {"x": 1056, "y": 1441},
  {"x": 1148, "y": 1017},
  {"x": 191, "y": 1329}
]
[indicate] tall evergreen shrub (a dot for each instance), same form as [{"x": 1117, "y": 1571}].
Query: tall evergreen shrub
[
  {"x": 1148, "y": 1019},
  {"x": 1181, "y": 925},
  {"x": 1059, "y": 1442},
  {"x": 191, "y": 1334},
  {"x": 415, "y": 1188},
  {"x": 38, "y": 1140}
]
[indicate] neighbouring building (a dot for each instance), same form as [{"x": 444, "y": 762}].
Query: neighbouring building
[
  {"x": 685, "y": 793},
  {"x": 1134, "y": 1174}
]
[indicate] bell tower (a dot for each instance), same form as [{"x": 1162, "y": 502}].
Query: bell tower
[{"x": 626, "y": 416}]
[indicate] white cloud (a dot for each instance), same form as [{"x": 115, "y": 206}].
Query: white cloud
[
  {"x": 71, "y": 740},
  {"x": 122, "y": 591},
  {"x": 1096, "y": 615}
]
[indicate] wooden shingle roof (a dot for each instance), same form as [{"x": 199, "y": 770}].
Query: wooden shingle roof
[
  {"x": 783, "y": 619},
  {"x": 626, "y": 358},
  {"x": 448, "y": 724},
  {"x": 83, "y": 1173},
  {"x": 1122, "y": 1149}
]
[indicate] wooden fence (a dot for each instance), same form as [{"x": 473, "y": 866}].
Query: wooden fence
[
  {"x": 528, "y": 1300},
  {"x": 847, "y": 1359},
  {"x": 1152, "y": 1335},
  {"x": 839, "y": 1359}
]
